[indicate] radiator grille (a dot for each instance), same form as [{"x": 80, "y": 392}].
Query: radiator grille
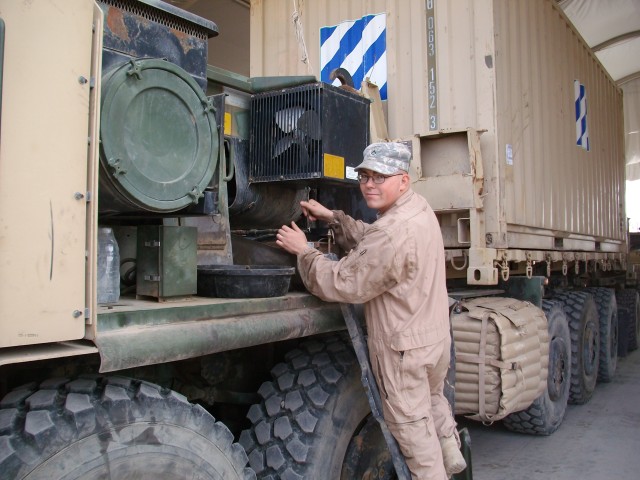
[{"x": 310, "y": 132}]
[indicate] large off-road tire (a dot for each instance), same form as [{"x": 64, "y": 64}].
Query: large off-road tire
[
  {"x": 608, "y": 314},
  {"x": 634, "y": 326},
  {"x": 628, "y": 317},
  {"x": 314, "y": 422},
  {"x": 112, "y": 427},
  {"x": 546, "y": 413},
  {"x": 584, "y": 325}
]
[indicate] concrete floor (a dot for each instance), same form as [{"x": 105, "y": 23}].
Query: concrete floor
[{"x": 596, "y": 441}]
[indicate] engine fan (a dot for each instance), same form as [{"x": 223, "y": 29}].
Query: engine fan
[{"x": 300, "y": 127}]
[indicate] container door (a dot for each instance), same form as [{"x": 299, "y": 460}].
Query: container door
[{"x": 44, "y": 129}]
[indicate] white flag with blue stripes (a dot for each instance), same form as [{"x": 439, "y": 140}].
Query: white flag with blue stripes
[
  {"x": 582, "y": 132},
  {"x": 358, "y": 46}
]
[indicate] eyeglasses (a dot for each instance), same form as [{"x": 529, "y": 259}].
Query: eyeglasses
[{"x": 377, "y": 178}]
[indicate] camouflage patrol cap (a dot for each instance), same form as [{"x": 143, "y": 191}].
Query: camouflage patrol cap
[{"x": 387, "y": 158}]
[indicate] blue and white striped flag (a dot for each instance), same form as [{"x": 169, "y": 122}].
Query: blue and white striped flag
[
  {"x": 582, "y": 132},
  {"x": 358, "y": 46}
]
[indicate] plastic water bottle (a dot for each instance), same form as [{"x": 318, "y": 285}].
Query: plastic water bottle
[{"x": 108, "y": 267}]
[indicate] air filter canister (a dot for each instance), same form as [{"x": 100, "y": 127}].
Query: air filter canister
[{"x": 159, "y": 138}]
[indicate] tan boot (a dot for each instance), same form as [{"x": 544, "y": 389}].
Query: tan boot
[{"x": 453, "y": 460}]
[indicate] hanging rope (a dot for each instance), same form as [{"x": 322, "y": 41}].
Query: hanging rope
[{"x": 296, "y": 17}]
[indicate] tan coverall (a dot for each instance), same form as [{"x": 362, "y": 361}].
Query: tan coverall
[{"x": 396, "y": 268}]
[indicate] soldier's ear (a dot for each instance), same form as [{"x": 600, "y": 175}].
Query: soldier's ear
[{"x": 405, "y": 180}]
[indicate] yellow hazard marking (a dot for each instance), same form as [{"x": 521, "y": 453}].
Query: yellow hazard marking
[
  {"x": 333, "y": 166},
  {"x": 227, "y": 123}
]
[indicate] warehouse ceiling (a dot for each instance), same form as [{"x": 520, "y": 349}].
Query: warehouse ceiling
[{"x": 612, "y": 30}]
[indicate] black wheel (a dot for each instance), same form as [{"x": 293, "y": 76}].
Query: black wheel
[
  {"x": 634, "y": 325},
  {"x": 608, "y": 314},
  {"x": 546, "y": 413},
  {"x": 314, "y": 422},
  {"x": 584, "y": 325},
  {"x": 112, "y": 427},
  {"x": 628, "y": 317}
]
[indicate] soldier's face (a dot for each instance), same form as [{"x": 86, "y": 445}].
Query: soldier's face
[{"x": 380, "y": 196}]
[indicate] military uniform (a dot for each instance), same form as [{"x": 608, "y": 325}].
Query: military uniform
[{"x": 396, "y": 268}]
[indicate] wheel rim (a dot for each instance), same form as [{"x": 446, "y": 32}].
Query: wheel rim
[
  {"x": 367, "y": 455},
  {"x": 590, "y": 349},
  {"x": 560, "y": 371}
]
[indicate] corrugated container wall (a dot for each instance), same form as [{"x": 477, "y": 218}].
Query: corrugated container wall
[{"x": 506, "y": 68}]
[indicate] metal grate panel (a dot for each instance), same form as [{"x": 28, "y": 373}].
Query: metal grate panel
[
  {"x": 309, "y": 132},
  {"x": 161, "y": 17}
]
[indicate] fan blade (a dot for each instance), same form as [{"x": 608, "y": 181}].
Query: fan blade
[
  {"x": 303, "y": 156},
  {"x": 309, "y": 123},
  {"x": 283, "y": 144},
  {"x": 287, "y": 118},
  {"x": 292, "y": 148}
]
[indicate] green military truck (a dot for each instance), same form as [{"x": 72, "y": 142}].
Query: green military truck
[{"x": 149, "y": 326}]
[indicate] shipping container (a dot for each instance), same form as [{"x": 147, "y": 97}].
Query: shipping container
[{"x": 518, "y": 143}]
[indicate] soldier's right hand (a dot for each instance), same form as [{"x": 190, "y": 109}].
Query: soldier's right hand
[{"x": 314, "y": 210}]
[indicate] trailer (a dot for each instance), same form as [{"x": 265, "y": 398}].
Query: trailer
[{"x": 150, "y": 328}]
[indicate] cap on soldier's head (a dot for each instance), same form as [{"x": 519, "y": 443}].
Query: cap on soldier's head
[{"x": 387, "y": 158}]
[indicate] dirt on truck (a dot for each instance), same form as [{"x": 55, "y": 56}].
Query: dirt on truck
[{"x": 149, "y": 328}]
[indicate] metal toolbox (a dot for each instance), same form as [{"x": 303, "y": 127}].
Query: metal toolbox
[{"x": 166, "y": 261}]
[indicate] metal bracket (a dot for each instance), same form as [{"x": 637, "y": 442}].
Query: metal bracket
[{"x": 135, "y": 70}]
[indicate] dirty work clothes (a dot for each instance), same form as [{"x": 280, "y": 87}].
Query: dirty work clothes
[
  {"x": 413, "y": 402},
  {"x": 396, "y": 267}
]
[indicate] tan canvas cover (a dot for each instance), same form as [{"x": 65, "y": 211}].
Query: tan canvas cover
[{"x": 502, "y": 357}]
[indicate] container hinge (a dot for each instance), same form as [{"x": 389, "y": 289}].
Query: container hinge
[
  {"x": 152, "y": 243},
  {"x": 152, "y": 278}
]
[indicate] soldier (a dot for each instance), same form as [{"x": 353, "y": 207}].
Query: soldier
[{"x": 396, "y": 268}]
